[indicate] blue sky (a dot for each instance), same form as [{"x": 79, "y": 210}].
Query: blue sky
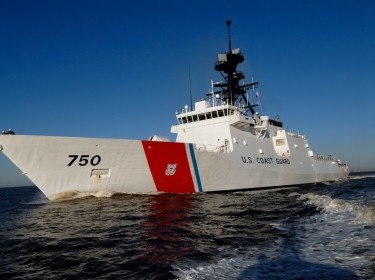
[{"x": 121, "y": 68}]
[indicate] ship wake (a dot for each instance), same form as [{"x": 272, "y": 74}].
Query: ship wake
[{"x": 360, "y": 212}]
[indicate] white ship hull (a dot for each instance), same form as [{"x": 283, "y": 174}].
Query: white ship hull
[{"x": 60, "y": 166}]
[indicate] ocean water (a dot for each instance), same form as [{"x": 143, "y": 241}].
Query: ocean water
[{"x": 323, "y": 231}]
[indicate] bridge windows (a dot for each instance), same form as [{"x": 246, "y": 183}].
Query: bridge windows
[{"x": 206, "y": 116}]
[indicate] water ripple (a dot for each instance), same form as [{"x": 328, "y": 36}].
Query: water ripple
[{"x": 240, "y": 235}]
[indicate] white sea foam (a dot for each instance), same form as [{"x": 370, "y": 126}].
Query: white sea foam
[
  {"x": 362, "y": 213},
  {"x": 359, "y": 177},
  {"x": 342, "y": 233},
  {"x": 225, "y": 268},
  {"x": 76, "y": 194},
  {"x": 103, "y": 193},
  {"x": 270, "y": 263},
  {"x": 333, "y": 243}
]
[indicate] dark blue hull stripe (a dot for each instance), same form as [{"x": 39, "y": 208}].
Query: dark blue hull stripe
[{"x": 196, "y": 171}]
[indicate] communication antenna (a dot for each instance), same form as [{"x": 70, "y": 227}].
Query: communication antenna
[
  {"x": 191, "y": 96},
  {"x": 228, "y": 22}
]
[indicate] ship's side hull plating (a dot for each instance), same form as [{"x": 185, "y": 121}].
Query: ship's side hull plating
[{"x": 59, "y": 165}]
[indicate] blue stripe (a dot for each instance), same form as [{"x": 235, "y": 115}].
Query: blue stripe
[{"x": 196, "y": 171}]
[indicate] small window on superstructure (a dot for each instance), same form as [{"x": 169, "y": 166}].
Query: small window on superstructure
[
  {"x": 184, "y": 120},
  {"x": 201, "y": 117},
  {"x": 208, "y": 115},
  {"x": 214, "y": 114},
  {"x": 221, "y": 113},
  {"x": 179, "y": 120},
  {"x": 190, "y": 119},
  {"x": 195, "y": 118}
]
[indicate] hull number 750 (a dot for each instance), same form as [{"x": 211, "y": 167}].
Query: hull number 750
[{"x": 85, "y": 159}]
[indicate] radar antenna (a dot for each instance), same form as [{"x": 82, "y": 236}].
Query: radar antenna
[{"x": 226, "y": 64}]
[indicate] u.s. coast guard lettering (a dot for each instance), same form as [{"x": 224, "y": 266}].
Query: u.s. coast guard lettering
[
  {"x": 265, "y": 160},
  {"x": 85, "y": 159},
  {"x": 282, "y": 161}
]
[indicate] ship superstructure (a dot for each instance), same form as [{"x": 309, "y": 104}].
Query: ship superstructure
[{"x": 228, "y": 107}]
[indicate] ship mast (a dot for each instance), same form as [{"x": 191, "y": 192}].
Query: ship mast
[
  {"x": 226, "y": 64},
  {"x": 228, "y": 22}
]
